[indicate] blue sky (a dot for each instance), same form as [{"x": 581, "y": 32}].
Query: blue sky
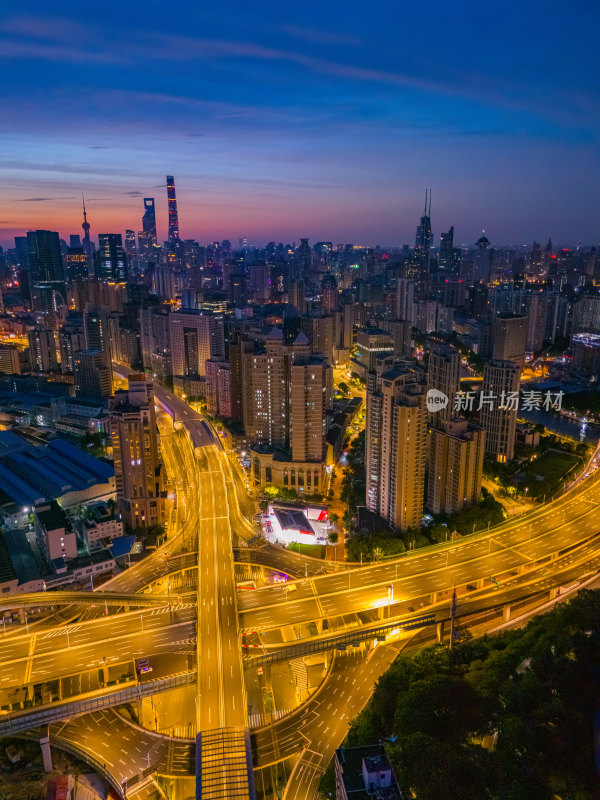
[{"x": 281, "y": 120}]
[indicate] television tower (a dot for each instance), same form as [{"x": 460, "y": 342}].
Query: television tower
[
  {"x": 87, "y": 244},
  {"x": 173, "y": 218}
]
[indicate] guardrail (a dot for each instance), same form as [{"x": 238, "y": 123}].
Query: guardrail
[
  {"x": 24, "y": 720},
  {"x": 341, "y": 641}
]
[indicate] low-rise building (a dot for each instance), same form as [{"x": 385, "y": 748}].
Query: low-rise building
[
  {"x": 101, "y": 527},
  {"x": 54, "y": 532},
  {"x": 364, "y": 773}
]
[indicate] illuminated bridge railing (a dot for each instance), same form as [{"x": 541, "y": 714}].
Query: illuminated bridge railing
[
  {"x": 341, "y": 641},
  {"x": 25, "y": 720}
]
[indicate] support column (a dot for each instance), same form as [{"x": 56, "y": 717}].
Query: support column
[
  {"x": 46, "y": 753},
  {"x": 479, "y": 583},
  {"x": 506, "y": 613},
  {"x": 433, "y": 598},
  {"x": 554, "y": 592},
  {"x": 440, "y": 631}
]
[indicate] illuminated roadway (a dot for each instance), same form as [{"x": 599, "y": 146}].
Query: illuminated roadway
[{"x": 507, "y": 552}]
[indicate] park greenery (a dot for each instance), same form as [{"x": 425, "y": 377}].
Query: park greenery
[
  {"x": 539, "y": 472},
  {"x": 509, "y": 717}
]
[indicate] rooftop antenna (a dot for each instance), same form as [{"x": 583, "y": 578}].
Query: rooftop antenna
[{"x": 429, "y": 213}]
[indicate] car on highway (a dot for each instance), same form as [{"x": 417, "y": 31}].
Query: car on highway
[{"x": 143, "y": 666}]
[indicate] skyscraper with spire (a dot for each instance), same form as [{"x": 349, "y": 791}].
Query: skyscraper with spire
[
  {"x": 424, "y": 236},
  {"x": 88, "y": 248},
  {"x": 173, "y": 218}
]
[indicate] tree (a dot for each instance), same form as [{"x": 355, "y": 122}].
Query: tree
[{"x": 333, "y": 537}]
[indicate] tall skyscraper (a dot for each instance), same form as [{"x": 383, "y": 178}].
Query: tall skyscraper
[
  {"x": 138, "y": 471},
  {"x": 76, "y": 263},
  {"x": 498, "y": 414},
  {"x": 443, "y": 374},
  {"x": 131, "y": 251},
  {"x": 424, "y": 239},
  {"x": 330, "y": 297},
  {"x": 396, "y": 446},
  {"x": 173, "y": 218},
  {"x": 195, "y": 337},
  {"x": 149, "y": 221},
  {"x": 455, "y": 466},
  {"x": 46, "y": 270},
  {"x": 446, "y": 263},
  {"x": 110, "y": 258},
  {"x": 483, "y": 261}
]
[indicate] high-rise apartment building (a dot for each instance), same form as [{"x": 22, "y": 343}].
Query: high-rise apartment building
[
  {"x": 296, "y": 295},
  {"x": 155, "y": 342},
  {"x": 443, "y": 374},
  {"x": 71, "y": 340},
  {"x": 218, "y": 387},
  {"x": 498, "y": 413},
  {"x": 330, "y": 298},
  {"x": 309, "y": 381},
  {"x": 43, "y": 353},
  {"x": 138, "y": 470},
  {"x": 173, "y": 216},
  {"x": 93, "y": 378},
  {"x": 10, "y": 363},
  {"x": 509, "y": 337},
  {"x": 396, "y": 446},
  {"x": 405, "y": 300},
  {"x": 372, "y": 343},
  {"x": 195, "y": 336},
  {"x": 455, "y": 468},
  {"x": 110, "y": 258}
]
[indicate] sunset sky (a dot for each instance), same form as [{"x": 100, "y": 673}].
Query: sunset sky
[{"x": 319, "y": 119}]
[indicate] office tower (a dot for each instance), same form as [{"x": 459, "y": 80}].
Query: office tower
[
  {"x": 149, "y": 221},
  {"x": 194, "y": 338},
  {"x": 329, "y": 294},
  {"x": 405, "y": 300},
  {"x": 303, "y": 258},
  {"x": 259, "y": 281},
  {"x": 296, "y": 295},
  {"x": 76, "y": 263},
  {"x": 10, "y": 363},
  {"x": 455, "y": 466},
  {"x": 88, "y": 247},
  {"x": 446, "y": 262},
  {"x": 372, "y": 343},
  {"x": 138, "y": 471},
  {"x": 43, "y": 354},
  {"x": 483, "y": 262},
  {"x": 443, "y": 375},
  {"x": 93, "y": 378},
  {"x": 509, "y": 337},
  {"x": 71, "y": 340},
  {"x": 498, "y": 414},
  {"x": 396, "y": 445},
  {"x": 322, "y": 252},
  {"x": 131, "y": 251},
  {"x": 218, "y": 387},
  {"x": 163, "y": 282},
  {"x": 110, "y": 259},
  {"x": 173, "y": 218},
  {"x": 478, "y": 300},
  {"x": 423, "y": 241},
  {"x": 155, "y": 342},
  {"x": 46, "y": 271}
]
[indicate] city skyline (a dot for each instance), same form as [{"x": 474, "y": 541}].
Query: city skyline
[{"x": 286, "y": 123}]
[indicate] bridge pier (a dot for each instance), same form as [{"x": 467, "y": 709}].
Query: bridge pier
[
  {"x": 287, "y": 633},
  {"x": 433, "y": 598},
  {"x": 46, "y": 753},
  {"x": 555, "y": 592},
  {"x": 439, "y": 629},
  {"x": 506, "y": 613}
]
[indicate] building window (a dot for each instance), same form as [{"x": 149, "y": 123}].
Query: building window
[{"x": 285, "y": 477}]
